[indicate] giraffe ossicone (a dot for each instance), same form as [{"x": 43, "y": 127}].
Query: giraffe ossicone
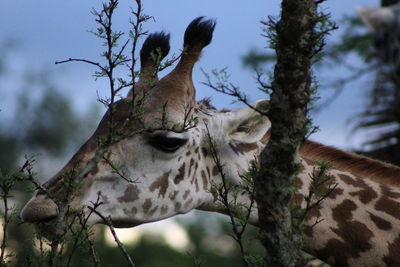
[{"x": 166, "y": 166}]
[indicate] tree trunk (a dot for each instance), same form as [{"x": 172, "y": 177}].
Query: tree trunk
[{"x": 295, "y": 42}]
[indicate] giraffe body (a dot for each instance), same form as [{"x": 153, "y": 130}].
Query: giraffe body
[{"x": 359, "y": 220}]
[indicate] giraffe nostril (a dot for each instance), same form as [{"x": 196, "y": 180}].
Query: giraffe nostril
[{"x": 39, "y": 208}]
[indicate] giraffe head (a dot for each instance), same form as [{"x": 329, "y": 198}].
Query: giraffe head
[{"x": 159, "y": 164}]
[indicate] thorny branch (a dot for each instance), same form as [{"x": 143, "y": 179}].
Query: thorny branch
[
  {"x": 84, "y": 229},
  {"x": 82, "y": 60},
  {"x": 222, "y": 85}
]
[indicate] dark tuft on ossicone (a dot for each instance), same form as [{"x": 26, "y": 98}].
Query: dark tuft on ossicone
[
  {"x": 155, "y": 43},
  {"x": 200, "y": 32}
]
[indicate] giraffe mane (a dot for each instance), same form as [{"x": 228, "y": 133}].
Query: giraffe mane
[{"x": 358, "y": 165}]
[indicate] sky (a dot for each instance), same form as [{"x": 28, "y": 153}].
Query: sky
[
  {"x": 51, "y": 30},
  {"x": 47, "y": 31}
]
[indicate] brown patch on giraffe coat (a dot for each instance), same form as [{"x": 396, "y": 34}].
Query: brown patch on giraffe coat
[
  {"x": 392, "y": 258},
  {"x": 130, "y": 212},
  {"x": 336, "y": 192},
  {"x": 131, "y": 194},
  {"x": 152, "y": 211},
  {"x": 354, "y": 236},
  {"x": 246, "y": 147},
  {"x": 380, "y": 223},
  {"x": 388, "y": 206},
  {"x": 366, "y": 194},
  {"x": 172, "y": 195},
  {"x": 297, "y": 199},
  {"x": 205, "y": 180},
  {"x": 186, "y": 194},
  {"x": 196, "y": 183},
  {"x": 204, "y": 151},
  {"x": 387, "y": 191},
  {"x": 161, "y": 183},
  {"x": 147, "y": 205},
  {"x": 194, "y": 179},
  {"x": 313, "y": 213},
  {"x": 181, "y": 173},
  {"x": 196, "y": 151},
  {"x": 362, "y": 166},
  {"x": 343, "y": 211},
  {"x": 297, "y": 182}
]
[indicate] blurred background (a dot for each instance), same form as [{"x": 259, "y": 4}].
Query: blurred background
[{"x": 49, "y": 110}]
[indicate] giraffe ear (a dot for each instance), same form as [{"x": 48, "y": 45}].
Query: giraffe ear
[{"x": 247, "y": 125}]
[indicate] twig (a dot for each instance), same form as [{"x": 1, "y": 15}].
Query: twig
[
  {"x": 223, "y": 86},
  {"x": 117, "y": 170},
  {"x": 83, "y": 225},
  {"x": 108, "y": 222},
  {"x": 81, "y": 60}
]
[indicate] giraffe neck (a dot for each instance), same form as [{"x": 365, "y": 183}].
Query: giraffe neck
[
  {"x": 358, "y": 223},
  {"x": 358, "y": 165}
]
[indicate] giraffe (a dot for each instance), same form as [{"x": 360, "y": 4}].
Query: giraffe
[{"x": 172, "y": 171}]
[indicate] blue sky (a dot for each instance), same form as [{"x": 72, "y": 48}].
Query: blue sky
[{"x": 50, "y": 30}]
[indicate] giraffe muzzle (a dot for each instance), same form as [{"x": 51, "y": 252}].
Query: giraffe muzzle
[{"x": 38, "y": 209}]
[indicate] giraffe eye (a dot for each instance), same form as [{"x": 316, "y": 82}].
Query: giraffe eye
[
  {"x": 243, "y": 128},
  {"x": 166, "y": 144}
]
